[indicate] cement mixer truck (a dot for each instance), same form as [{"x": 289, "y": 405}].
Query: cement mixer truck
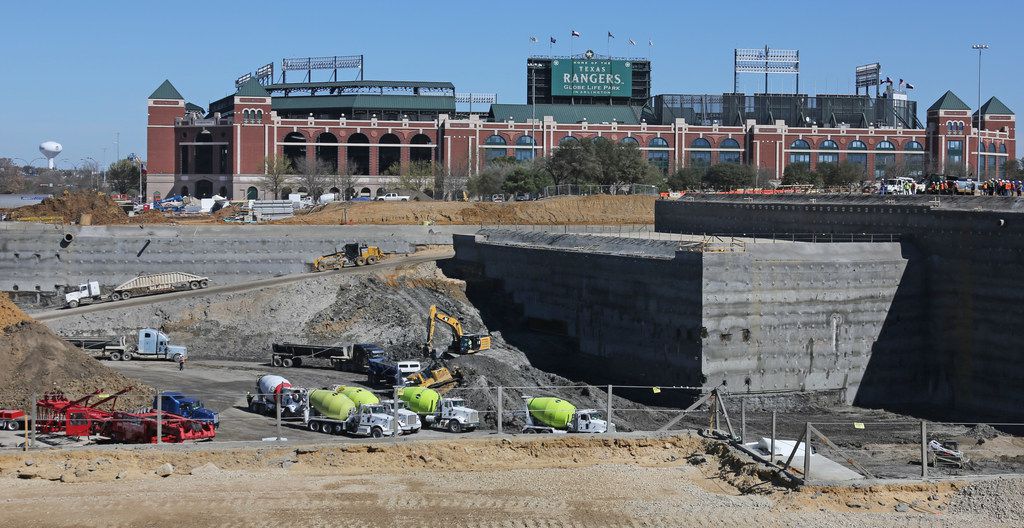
[
  {"x": 555, "y": 415},
  {"x": 443, "y": 413},
  {"x": 270, "y": 389},
  {"x": 408, "y": 421},
  {"x": 333, "y": 412}
]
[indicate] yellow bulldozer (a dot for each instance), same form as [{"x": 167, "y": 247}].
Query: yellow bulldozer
[
  {"x": 441, "y": 379},
  {"x": 462, "y": 343},
  {"x": 354, "y": 254}
]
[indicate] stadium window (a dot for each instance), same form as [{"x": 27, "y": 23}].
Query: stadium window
[
  {"x": 658, "y": 158},
  {"x": 800, "y": 157},
  {"x": 955, "y": 151},
  {"x": 885, "y": 145},
  {"x": 1004, "y": 161},
  {"x": 259, "y": 116},
  {"x": 566, "y": 139},
  {"x": 727, "y": 156},
  {"x": 526, "y": 153},
  {"x": 630, "y": 140},
  {"x": 497, "y": 142},
  {"x": 857, "y": 157},
  {"x": 828, "y": 157},
  {"x": 700, "y": 157}
]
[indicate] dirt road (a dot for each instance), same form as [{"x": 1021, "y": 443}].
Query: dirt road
[
  {"x": 550, "y": 482},
  {"x": 390, "y": 263}
]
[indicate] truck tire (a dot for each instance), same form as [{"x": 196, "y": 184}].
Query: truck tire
[
  {"x": 115, "y": 356},
  {"x": 115, "y": 296},
  {"x": 11, "y": 425},
  {"x": 314, "y": 426},
  {"x": 454, "y": 426},
  {"x": 194, "y": 285},
  {"x": 127, "y": 356},
  {"x": 337, "y": 429},
  {"x": 73, "y": 304},
  {"x": 176, "y": 358},
  {"x": 360, "y": 261},
  {"x": 286, "y": 362},
  {"x": 276, "y": 361},
  {"x": 377, "y": 432},
  {"x": 321, "y": 267},
  {"x": 204, "y": 283},
  {"x": 371, "y": 260},
  {"x": 126, "y": 295}
]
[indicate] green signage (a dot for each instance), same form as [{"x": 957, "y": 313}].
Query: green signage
[{"x": 592, "y": 78}]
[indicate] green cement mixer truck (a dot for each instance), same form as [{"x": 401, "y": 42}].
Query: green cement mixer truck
[
  {"x": 555, "y": 415},
  {"x": 444, "y": 413}
]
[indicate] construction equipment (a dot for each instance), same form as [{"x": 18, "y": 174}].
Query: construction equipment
[
  {"x": 333, "y": 412},
  {"x": 11, "y": 419},
  {"x": 441, "y": 379},
  {"x": 947, "y": 453},
  {"x": 462, "y": 343},
  {"x": 354, "y": 254},
  {"x": 272, "y": 389},
  {"x": 383, "y": 371},
  {"x": 181, "y": 405},
  {"x": 408, "y": 421},
  {"x": 150, "y": 342},
  {"x": 444, "y": 413},
  {"x": 351, "y": 358},
  {"x": 555, "y": 415},
  {"x": 142, "y": 285}
]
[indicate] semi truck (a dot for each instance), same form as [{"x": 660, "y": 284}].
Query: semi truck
[
  {"x": 333, "y": 412},
  {"x": 350, "y": 358},
  {"x": 152, "y": 284},
  {"x": 271, "y": 389},
  {"x": 383, "y": 371},
  {"x": 450, "y": 414},
  {"x": 555, "y": 415},
  {"x": 177, "y": 403},
  {"x": 149, "y": 343}
]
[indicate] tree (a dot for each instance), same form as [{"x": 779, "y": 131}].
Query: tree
[
  {"x": 454, "y": 181},
  {"x": 345, "y": 179},
  {"x": 1012, "y": 168},
  {"x": 314, "y": 176},
  {"x": 527, "y": 177},
  {"x": 11, "y": 180},
  {"x": 800, "y": 174},
  {"x": 276, "y": 175},
  {"x": 123, "y": 176},
  {"x": 490, "y": 180},
  {"x": 729, "y": 176},
  {"x": 687, "y": 178},
  {"x": 844, "y": 174},
  {"x": 420, "y": 175},
  {"x": 575, "y": 162}
]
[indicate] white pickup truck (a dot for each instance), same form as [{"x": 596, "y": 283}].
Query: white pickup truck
[{"x": 392, "y": 197}]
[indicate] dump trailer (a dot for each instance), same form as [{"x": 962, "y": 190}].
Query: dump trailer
[
  {"x": 90, "y": 343},
  {"x": 142, "y": 285},
  {"x": 555, "y": 415},
  {"x": 350, "y": 358},
  {"x": 271, "y": 389},
  {"x": 450, "y": 414},
  {"x": 149, "y": 343}
]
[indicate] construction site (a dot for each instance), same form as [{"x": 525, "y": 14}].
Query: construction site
[{"x": 749, "y": 360}]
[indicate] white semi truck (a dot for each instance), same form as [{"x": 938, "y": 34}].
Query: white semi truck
[
  {"x": 149, "y": 343},
  {"x": 142, "y": 285}
]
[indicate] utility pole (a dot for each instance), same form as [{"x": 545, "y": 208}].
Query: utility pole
[
  {"x": 977, "y": 129},
  {"x": 117, "y": 144}
]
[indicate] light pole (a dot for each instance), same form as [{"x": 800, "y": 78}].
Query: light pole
[
  {"x": 977, "y": 128},
  {"x": 135, "y": 160}
]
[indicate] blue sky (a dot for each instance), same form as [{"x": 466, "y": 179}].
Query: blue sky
[{"x": 80, "y": 72}]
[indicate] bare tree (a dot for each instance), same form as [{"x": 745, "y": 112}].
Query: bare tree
[
  {"x": 314, "y": 176},
  {"x": 345, "y": 179},
  {"x": 452, "y": 183},
  {"x": 11, "y": 180},
  {"x": 276, "y": 174},
  {"x": 419, "y": 176}
]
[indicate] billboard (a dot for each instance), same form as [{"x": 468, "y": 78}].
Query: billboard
[{"x": 592, "y": 77}]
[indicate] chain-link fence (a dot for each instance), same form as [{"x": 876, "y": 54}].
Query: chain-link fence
[{"x": 590, "y": 190}]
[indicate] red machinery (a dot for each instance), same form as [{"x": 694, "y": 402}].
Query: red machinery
[{"x": 57, "y": 414}]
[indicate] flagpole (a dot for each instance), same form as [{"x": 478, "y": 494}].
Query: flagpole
[{"x": 608, "y": 45}]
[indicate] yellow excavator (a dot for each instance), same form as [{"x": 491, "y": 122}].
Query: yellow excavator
[
  {"x": 355, "y": 254},
  {"x": 462, "y": 343}
]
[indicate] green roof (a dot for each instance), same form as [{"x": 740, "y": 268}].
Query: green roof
[
  {"x": 166, "y": 91},
  {"x": 366, "y": 101},
  {"x": 567, "y": 113},
  {"x": 361, "y": 84},
  {"x": 949, "y": 101},
  {"x": 995, "y": 107},
  {"x": 252, "y": 88},
  {"x": 189, "y": 107}
]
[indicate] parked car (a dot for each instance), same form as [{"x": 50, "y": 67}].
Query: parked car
[
  {"x": 497, "y": 198},
  {"x": 393, "y": 197},
  {"x": 522, "y": 197}
]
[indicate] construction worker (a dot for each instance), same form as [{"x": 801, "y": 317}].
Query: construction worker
[{"x": 181, "y": 363}]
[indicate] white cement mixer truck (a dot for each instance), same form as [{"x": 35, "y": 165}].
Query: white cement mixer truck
[{"x": 270, "y": 389}]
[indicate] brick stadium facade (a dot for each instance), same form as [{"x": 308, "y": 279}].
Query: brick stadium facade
[{"x": 223, "y": 152}]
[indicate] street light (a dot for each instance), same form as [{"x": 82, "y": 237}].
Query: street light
[{"x": 977, "y": 129}]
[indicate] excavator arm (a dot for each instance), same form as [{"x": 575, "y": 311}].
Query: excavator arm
[{"x": 432, "y": 319}]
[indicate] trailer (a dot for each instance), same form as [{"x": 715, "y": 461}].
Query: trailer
[
  {"x": 91, "y": 343},
  {"x": 151, "y": 284},
  {"x": 12, "y": 419},
  {"x": 350, "y": 358},
  {"x": 149, "y": 343}
]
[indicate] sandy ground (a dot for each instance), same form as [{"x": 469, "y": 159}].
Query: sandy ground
[{"x": 551, "y": 482}]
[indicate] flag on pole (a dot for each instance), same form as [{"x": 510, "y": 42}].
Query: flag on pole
[
  {"x": 650, "y": 42},
  {"x": 533, "y": 39},
  {"x": 910, "y": 86},
  {"x": 610, "y": 35},
  {"x": 901, "y": 83},
  {"x": 552, "y": 40},
  {"x": 574, "y": 33},
  {"x": 631, "y": 42}
]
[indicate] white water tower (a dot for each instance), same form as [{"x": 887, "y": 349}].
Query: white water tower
[{"x": 50, "y": 149}]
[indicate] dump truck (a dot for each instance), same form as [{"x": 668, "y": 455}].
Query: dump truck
[
  {"x": 149, "y": 343},
  {"x": 350, "y": 358},
  {"x": 177, "y": 403},
  {"x": 270, "y": 389},
  {"x": 555, "y": 415},
  {"x": 443, "y": 413},
  {"x": 334, "y": 413},
  {"x": 462, "y": 343},
  {"x": 354, "y": 254},
  {"x": 152, "y": 284}
]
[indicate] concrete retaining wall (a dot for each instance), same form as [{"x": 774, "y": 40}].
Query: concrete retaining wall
[
  {"x": 763, "y": 317},
  {"x": 961, "y": 296}
]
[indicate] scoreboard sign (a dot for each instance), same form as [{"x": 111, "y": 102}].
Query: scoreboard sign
[{"x": 591, "y": 78}]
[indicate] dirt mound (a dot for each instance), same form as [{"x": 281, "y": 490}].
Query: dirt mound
[
  {"x": 35, "y": 361},
  {"x": 598, "y": 209},
  {"x": 71, "y": 206}
]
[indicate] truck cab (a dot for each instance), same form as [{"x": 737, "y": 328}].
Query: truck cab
[
  {"x": 590, "y": 421},
  {"x": 155, "y": 343},
  {"x": 85, "y": 292},
  {"x": 362, "y": 353},
  {"x": 370, "y": 420},
  {"x": 384, "y": 371},
  {"x": 453, "y": 411},
  {"x": 408, "y": 421},
  {"x": 181, "y": 405}
]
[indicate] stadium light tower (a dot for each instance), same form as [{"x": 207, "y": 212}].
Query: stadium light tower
[{"x": 977, "y": 129}]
